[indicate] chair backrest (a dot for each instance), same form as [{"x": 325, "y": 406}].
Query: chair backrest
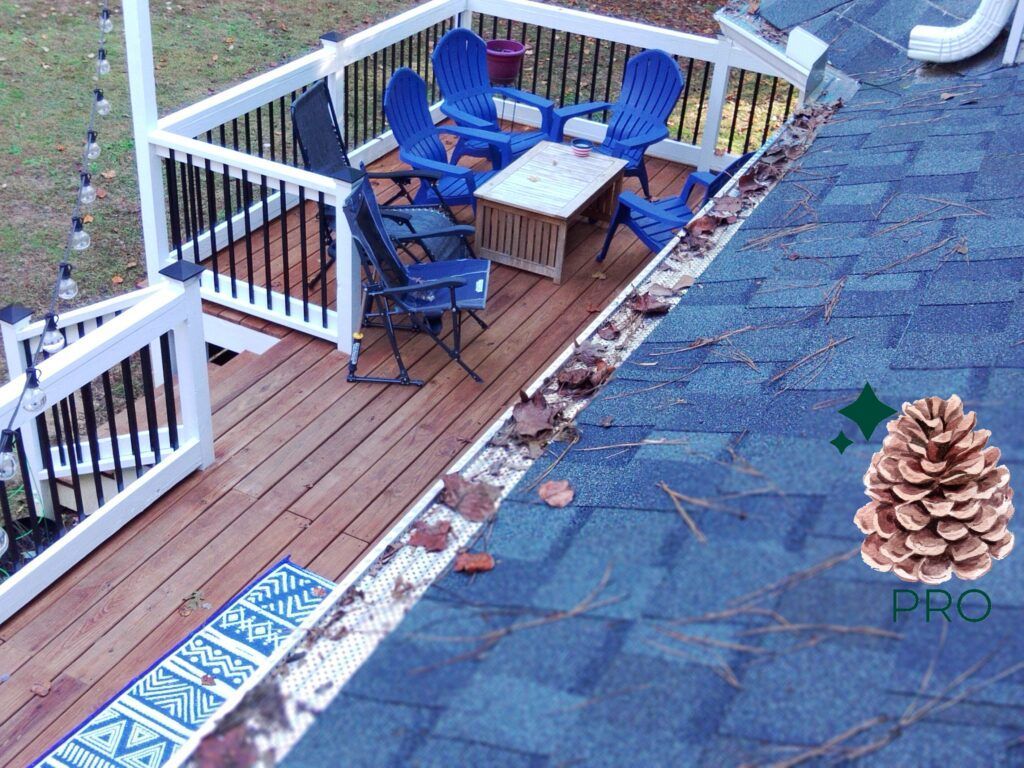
[
  {"x": 316, "y": 128},
  {"x": 408, "y": 113},
  {"x": 724, "y": 175},
  {"x": 650, "y": 89},
  {"x": 460, "y": 63},
  {"x": 376, "y": 251}
]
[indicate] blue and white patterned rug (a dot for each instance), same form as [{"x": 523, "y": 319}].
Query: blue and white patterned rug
[{"x": 143, "y": 725}]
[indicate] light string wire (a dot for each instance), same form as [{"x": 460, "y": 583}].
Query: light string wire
[{"x": 64, "y": 269}]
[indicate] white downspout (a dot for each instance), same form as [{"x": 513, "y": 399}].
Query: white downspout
[{"x": 946, "y": 44}]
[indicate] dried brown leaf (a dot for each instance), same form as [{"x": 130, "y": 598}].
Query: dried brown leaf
[
  {"x": 647, "y": 305},
  {"x": 533, "y": 416},
  {"x": 556, "y": 493},
  {"x": 474, "y": 562},
  {"x": 474, "y": 501},
  {"x": 40, "y": 689},
  {"x": 703, "y": 225},
  {"x": 433, "y": 537}
]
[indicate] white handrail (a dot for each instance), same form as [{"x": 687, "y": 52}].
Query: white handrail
[
  {"x": 106, "y": 308},
  {"x": 380, "y": 36}
]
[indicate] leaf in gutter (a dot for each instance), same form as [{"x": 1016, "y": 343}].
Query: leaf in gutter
[
  {"x": 703, "y": 225},
  {"x": 433, "y": 537},
  {"x": 474, "y": 562},
  {"x": 647, "y": 305},
  {"x": 474, "y": 501},
  {"x": 683, "y": 283},
  {"x": 533, "y": 416},
  {"x": 608, "y": 331},
  {"x": 556, "y": 493}
]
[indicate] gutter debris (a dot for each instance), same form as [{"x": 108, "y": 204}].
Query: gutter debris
[{"x": 454, "y": 532}]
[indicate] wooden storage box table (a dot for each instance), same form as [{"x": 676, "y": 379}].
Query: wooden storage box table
[{"x": 524, "y": 211}]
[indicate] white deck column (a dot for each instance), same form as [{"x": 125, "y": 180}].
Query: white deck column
[
  {"x": 141, "y": 78},
  {"x": 348, "y": 275}
]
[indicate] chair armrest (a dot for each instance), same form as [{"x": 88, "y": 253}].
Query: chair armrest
[
  {"x": 646, "y": 139},
  {"x": 562, "y": 115},
  {"x": 406, "y": 175},
  {"x": 651, "y": 209},
  {"x": 525, "y": 97},
  {"x": 462, "y": 117},
  {"x": 500, "y": 141},
  {"x": 445, "y": 169},
  {"x": 461, "y": 230},
  {"x": 398, "y": 290}
]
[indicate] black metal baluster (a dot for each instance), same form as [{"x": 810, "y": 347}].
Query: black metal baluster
[
  {"x": 494, "y": 27},
  {"x": 133, "y": 421},
  {"x": 229, "y": 220},
  {"x": 735, "y": 110},
  {"x": 30, "y": 501},
  {"x": 579, "y": 70},
  {"x": 686, "y": 101},
  {"x": 76, "y": 483},
  {"x": 9, "y": 559},
  {"x": 771, "y": 110},
  {"x": 303, "y": 253},
  {"x": 295, "y": 139},
  {"x": 234, "y": 143},
  {"x": 115, "y": 448},
  {"x": 74, "y": 434},
  {"x": 187, "y": 183},
  {"x": 789, "y": 102},
  {"x": 211, "y": 206},
  {"x": 565, "y": 66},
  {"x": 259, "y": 133},
  {"x": 551, "y": 65},
  {"x": 593, "y": 71},
  {"x": 700, "y": 101},
  {"x": 522, "y": 39},
  {"x": 149, "y": 397},
  {"x": 608, "y": 81},
  {"x": 536, "y": 60},
  {"x": 195, "y": 229},
  {"x": 284, "y": 248},
  {"x": 753, "y": 106},
  {"x": 172, "y": 202},
  {"x": 270, "y": 131},
  {"x": 371, "y": 107},
  {"x": 47, "y": 453},
  {"x": 92, "y": 437},
  {"x": 323, "y": 262},
  {"x": 59, "y": 433},
  {"x": 169, "y": 404},
  {"x": 247, "y": 203},
  {"x": 264, "y": 192},
  {"x": 281, "y": 111}
]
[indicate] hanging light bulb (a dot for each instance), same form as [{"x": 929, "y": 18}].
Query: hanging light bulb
[
  {"x": 8, "y": 464},
  {"x": 92, "y": 149},
  {"x": 106, "y": 23},
  {"x": 53, "y": 339},
  {"x": 86, "y": 192},
  {"x": 35, "y": 397},
  {"x": 102, "y": 65},
  {"x": 67, "y": 288},
  {"x": 102, "y": 105},
  {"x": 80, "y": 239}
]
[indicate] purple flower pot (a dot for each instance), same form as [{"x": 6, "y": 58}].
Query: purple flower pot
[{"x": 504, "y": 58}]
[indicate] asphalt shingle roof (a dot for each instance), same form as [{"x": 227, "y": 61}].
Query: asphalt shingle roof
[{"x": 611, "y": 687}]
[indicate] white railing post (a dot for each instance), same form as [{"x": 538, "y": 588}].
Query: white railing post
[
  {"x": 13, "y": 318},
  {"x": 466, "y": 17},
  {"x": 190, "y": 360},
  {"x": 716, "y": 105},
  {"x": 331, "y": 41},
  {"x": 142, "y": 84},
  {"x": 348, "y": 275}
]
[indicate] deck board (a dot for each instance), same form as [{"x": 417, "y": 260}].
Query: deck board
[{"x": 307, "y": 465}]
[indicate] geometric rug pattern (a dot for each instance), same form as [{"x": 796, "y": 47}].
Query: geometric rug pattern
[{"x": 144, "y": 724}]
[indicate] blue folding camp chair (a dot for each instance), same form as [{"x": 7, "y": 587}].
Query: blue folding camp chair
[
  {"x": 323, "y": 151},
  {"x": 419, "y": 145},
  {"x": 418, "y": 294},
  {"x": 460, "y": 63},
  {"x": 656, "y": 222},
  {"x": 650, "y": 89}
]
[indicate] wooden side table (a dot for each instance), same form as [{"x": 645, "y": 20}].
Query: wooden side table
[{"x": 524, "y": 211}]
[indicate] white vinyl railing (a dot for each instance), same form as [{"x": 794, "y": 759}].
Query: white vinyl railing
[
  {"x": 110, "y": 439},
  {"x": 356, "y": 69}
]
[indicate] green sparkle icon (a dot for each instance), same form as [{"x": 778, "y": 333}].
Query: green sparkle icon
[
  {"x": 867, "y": 411},
  {"x": 841, "y": 442}
]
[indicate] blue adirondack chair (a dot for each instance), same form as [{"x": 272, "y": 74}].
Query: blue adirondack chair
[
  {"x": 412, "y": 297},
  {"x": 419, "y": 145},
  {"x": 650, "y": 89},
  {"x": 460, "y": 63},
  {"x": 656, "y": 222}
]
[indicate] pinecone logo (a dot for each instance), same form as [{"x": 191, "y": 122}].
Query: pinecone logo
[{"x": 940, "y": 501}]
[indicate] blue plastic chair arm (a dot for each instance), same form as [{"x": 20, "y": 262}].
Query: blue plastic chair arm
[
  {"x": 644, "y": 207},
  {"x": 578, "y": 110},
  {"x": 491, "y": 137},
  {"x": 446, "y": 169},
  {"x": 461, "y": 116},
  {"x": 634, "y": 142},
  {"x": 451, "y": 282},
  {"x": 525, "y": 97},
  {"x": 410, "y": 174}
]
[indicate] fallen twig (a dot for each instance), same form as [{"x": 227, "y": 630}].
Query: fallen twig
[{"x": 690, "y": 523}]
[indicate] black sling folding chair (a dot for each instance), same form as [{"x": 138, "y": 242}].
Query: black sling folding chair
[
  {"x": 324, "y": 151},
  {"x": 412, "y": 297}
]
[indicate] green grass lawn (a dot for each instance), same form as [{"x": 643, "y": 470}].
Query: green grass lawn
[{"x": 47, "y": 65}]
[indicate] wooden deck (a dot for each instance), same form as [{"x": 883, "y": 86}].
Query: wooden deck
[{"x": 307, "y": 465}]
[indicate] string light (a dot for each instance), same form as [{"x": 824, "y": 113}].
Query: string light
[
  {"x": 86, "y": 191},
  {"x": 102, "y": 65},
  {"x": 102, "y": 105},
  {"x": 33, "y": 397},
  {"x": 67, "y": 288},
  {"x": 92, "y": 148},
  {"x": 80, "y": 239},
  {"x": 8, "y": 464}
]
